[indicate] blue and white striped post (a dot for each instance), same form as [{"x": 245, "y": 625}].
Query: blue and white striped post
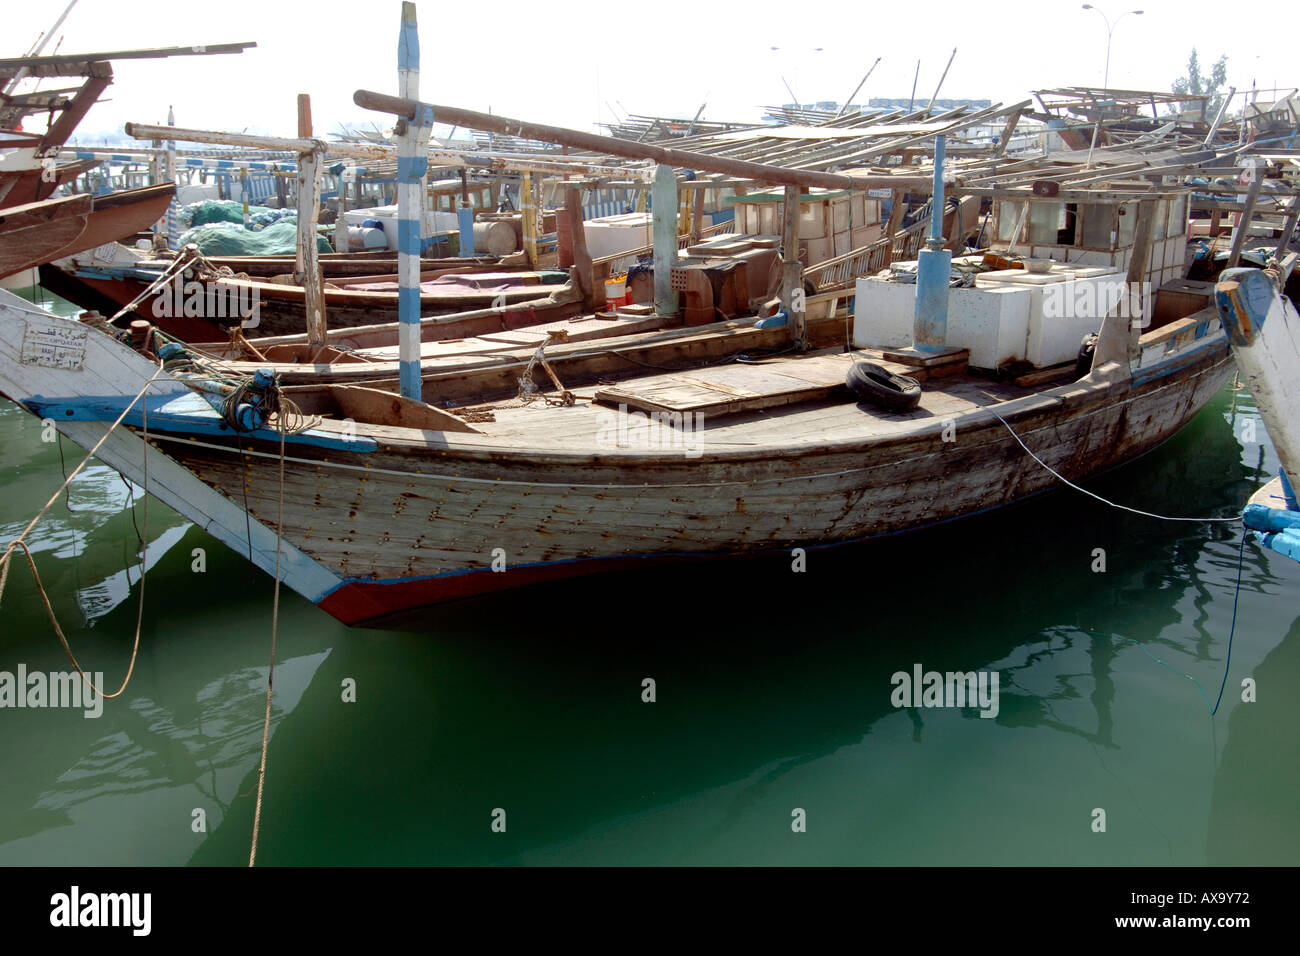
[
  {"x": 465, "y": 217},
  {"x": 663, "y": 216},
  {"x": 173, "y": 208},
  {"x": 412, "y": 163},
  {"x": 933, "y": 268}
]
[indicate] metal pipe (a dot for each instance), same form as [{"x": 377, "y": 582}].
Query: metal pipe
[
  {"x": 936, "y": 211},
  {"x": 933, "y": 268}
]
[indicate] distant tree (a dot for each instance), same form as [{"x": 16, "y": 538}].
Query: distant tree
[{"x": 1197, "y": 84}]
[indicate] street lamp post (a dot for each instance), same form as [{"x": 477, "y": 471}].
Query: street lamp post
[{"x": 1110, "y": 32}]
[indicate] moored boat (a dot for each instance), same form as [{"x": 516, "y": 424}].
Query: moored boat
[{"x": 1262, "y": 326}]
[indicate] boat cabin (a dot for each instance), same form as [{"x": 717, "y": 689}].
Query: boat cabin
[
  {"x": 1056, "y": 267},
  {"x": 831, "y": 222},
  {"x": 1095, "y": 233}
]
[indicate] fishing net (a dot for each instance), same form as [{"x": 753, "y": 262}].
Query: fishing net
[
  {"x": 232, "y": 239},
  {"x": 213, "y": 210}
]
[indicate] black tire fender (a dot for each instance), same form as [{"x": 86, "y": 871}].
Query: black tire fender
[{"x": 883, "y": 388}]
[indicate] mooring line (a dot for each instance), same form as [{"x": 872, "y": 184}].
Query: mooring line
[
  {"x": 20, "y": 542},
  {"x": 1090, "y": 494},
  {"x": 270, "y": 672}
]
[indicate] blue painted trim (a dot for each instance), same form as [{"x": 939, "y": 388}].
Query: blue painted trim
[
  {"x": 1288, "y": 493},
  {"x": 1179, "y": 360},
  {"x": 1255, "y": 295},
  {"x": 408, "y": 305},
  {"x": 411, "y": 168},
  {"x": 408, "y": 46},
  {"x": 183, "y": 412},
  {"x": 408, "y": 236}
]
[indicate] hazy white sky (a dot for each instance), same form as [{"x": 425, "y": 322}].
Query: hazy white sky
[{"x": 562, "y": 62}]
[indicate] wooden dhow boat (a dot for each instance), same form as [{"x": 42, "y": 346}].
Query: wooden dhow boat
[
  {"x": 1264, "y": 330},
  {"x": 32, "y": 234},
  {"x": 391, "y": 504},
  {"x": 737, "y": 438}
]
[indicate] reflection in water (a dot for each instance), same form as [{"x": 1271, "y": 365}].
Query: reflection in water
[
  {"x": 772, "y": 694},
  {"x": 1253, "y": 813}
]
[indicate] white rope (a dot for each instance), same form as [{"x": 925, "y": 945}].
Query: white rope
[{"x": 1060, "y": 477}]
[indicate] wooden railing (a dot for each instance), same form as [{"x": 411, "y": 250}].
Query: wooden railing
[
  {"x": 843, "y": 271},
  {"x": 719, "y": 229}
]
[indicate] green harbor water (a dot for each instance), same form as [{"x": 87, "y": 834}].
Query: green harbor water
[{"x": 772, "y": 694}]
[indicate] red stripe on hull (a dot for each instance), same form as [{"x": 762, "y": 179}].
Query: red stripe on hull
[{"x": 360, "y": 601}]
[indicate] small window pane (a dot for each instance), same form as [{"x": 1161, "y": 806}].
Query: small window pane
[
  {"x": 1178, "y": 216},
  {"x": 1009, "y": 214},
  {"x": 1127, "y": 223},
  {"x": 1097, "y": 226},
  {"x": 1046, "y": 219}
]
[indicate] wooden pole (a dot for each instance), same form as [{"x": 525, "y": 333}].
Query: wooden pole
[
  {"x": 412, "y": 163},
  {"x": 1005, "y": 139},
  {"x": 611, "y": 146},
  {"x": 1292, "y": 218},
  {"x": 861, "y": 83},
  {"x": 307, "y": 266},
  {"x": 1118, "y": 340},
  {"x": 1218, "y": 117},
  {"x": 528, "y": 207},
  {"x": 169, "y": 170},
  {"x": 581, "y": 257},
  {"x": 895, "y": 220},
  {"x": 1243, "y": 223},
  {"x": 942, "y": 77},
  {"x": 342, "y": 243},
  {"x": 792, "y": 297},
  {"x": 697, "y": 215},
  {"x": 664, "y": 219}
]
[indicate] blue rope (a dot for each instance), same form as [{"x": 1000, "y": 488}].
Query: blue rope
[{"x": 1241, "y": 553}]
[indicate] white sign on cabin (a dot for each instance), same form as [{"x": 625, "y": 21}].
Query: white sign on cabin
[
  {"x": 54, "y": 343},
  {"x": 880, "y": 193}
]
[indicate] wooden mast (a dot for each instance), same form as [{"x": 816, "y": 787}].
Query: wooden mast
[
  {"x": 307, "y": 271},
  {"x": 412, "y": 163}
]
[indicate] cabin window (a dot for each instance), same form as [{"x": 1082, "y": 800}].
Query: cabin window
[
  {"x": 1098, "y": 225},
  {"x": 1009, "y": 214},
  {"x": 1046, "y": 222},
  {"x": 1178, "y": 216},
  {"x": 1160, "y": 228},
  {"x": 1127, "y": 224},
  {"x": 1069, "y": 225}
]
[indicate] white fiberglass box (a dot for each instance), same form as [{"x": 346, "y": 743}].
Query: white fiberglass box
[
  {"x": 992, "y": 323},
  {"x": 1065, "y": 305}
]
